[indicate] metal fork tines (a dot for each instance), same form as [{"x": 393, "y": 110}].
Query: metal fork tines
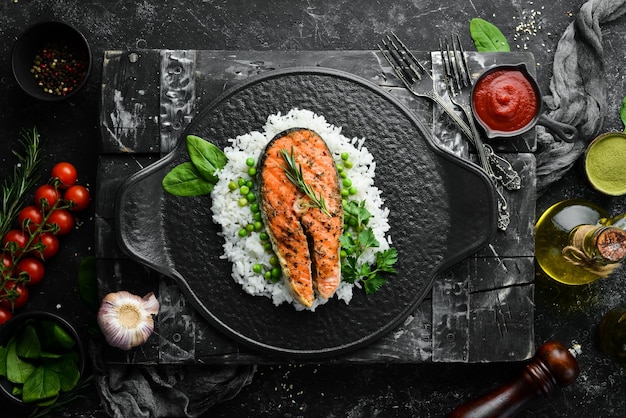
[{"x": 459, "y": 84}]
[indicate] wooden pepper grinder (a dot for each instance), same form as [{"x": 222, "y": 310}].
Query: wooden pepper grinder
[{"x": 553, "y": 366}]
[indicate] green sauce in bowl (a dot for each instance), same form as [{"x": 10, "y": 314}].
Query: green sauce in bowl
[{"x": 605, "y": 163}]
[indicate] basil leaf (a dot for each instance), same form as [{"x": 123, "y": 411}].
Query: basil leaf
[
  {"x": 487, "y": 37},
  {"x": 185, "y": 180},
  {"x": 42, "y": 384},
  {"x": 3, "y": 361},
  {"x": 206, "y": 157},
  {"x": 54, "y": 338},
  {"x": 622, "y": 113}
]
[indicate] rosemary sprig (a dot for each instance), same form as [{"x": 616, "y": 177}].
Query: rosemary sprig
[
  {"x": 293, "y": 171},
  {"x": 13, "y": 190}
]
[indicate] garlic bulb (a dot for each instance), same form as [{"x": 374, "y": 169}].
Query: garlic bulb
[{"x": 126, "y": 319}]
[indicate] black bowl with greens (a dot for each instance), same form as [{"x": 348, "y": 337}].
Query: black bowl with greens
[{"x": 41, "y": 358}]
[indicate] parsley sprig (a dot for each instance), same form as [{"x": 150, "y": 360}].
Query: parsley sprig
[
  {"x": 14, "y": 189},
  {"x": 355, "y": 243},
  {"x": 293, "y": 171}
]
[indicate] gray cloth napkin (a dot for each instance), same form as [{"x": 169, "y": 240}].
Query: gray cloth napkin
[
  {"x": 577, "y": 89},
  {"x": 165, "y": 391}
]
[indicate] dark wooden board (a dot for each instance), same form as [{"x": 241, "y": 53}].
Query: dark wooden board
[{"x": 481, "y": 310}]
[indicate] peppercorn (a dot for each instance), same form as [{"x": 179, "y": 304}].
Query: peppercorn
[{"x": 59, "y": 68}]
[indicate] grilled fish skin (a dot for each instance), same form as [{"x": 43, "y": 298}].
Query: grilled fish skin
[{"x": 304, "y": 238}]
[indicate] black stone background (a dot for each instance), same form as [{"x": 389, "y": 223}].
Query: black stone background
[{"x": 421, "y": 390}]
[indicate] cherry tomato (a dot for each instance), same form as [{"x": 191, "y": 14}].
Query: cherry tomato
[
  {"x": 7, "y": 266},
  {"x": 33, "y": 267},
  {"x": 46, "y": 195},
  {"x": 14, "y": 295},
  {"x": 16, "y": 236},
  {"x": 63, "y": 220},
  {"x": 78, "y": 196},
  {"x": 65, "y": 173},
  {"x": 5, "y": 315},
  {"x": 30, "y": 218},
  {"x": 49, "y": 243}
]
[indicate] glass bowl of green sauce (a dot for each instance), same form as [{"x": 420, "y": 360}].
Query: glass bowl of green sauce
[{"x": 605, "y": 163}]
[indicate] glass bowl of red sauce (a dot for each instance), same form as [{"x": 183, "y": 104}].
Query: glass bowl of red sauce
[{"x": 506, "y": 102}]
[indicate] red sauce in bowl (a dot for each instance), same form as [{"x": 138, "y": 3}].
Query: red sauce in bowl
[{"x": 505, "y": 100}]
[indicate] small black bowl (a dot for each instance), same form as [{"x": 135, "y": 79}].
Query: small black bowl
[
  {"x": 12, "y": 326},
  {"x": 61, "y": 42}
]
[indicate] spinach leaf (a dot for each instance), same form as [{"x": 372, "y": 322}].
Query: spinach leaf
[
  {"x": 185, "y": 180},
  {"x": 3, "y": 361},
  {"x": 54, "y": 337},
  {"x": 206, "y": 157},
  {"x": 88, "y": 283},
  {"x": 28, "y": 345},
  {"x": 68, "y": 371},
  {"x": 42, "y": 386},
  {"x": 622, "y": 113},
  {"x": 18, "y": 370},
  {"x": 487, "y": 37}
]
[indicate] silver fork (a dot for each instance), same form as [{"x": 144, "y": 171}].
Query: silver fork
[
  {"x": 459, "y": 84},
  {"x": 419, "y": 82}
]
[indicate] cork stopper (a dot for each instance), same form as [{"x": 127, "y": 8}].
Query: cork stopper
[{"x": 608, "y": 243}]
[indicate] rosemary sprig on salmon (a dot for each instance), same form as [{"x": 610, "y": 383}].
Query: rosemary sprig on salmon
[{"x": 293, "y": 171}]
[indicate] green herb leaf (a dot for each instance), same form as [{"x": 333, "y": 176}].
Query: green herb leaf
[
  {"x": 68, "y": 371},
  {"x": 18, "y": 370},
  {"x": 42, "y": 385},
  {"x": 54, "y": 338},
  {"x": 487, "y": 37},
  {"x": 373, "y": 284},
  {"x": 3, "y": 361},
  {"x": 206, "y": 157},
  {"x": 88, "y": 283},
  {"x": 386, "y": 259},
  {"x": 186, "y": 180},
  {"x": 622, "y": 113},
  {"x": 28, "y": 345}
]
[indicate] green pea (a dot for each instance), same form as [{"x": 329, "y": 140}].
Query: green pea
[
  {"x": 252, "y": 171},
  {"x": 352, "y": 222},
  {"x": 349, "y": 164},
  {"x": 250, "y": 162},
  {"x": 276, "y": 272},
  {"x": 340, "y": 168},
  {"x": 258, "y": 226},
  {"x": 250, "y": 227},
  {"x": 254, "y": 207},
  {"x": 257, "y": 216},
  {"x": 244, "y": 190},
  {"x": 267, "y": 275},
  {"x": 343, "y": 175},
  {"x": 352, "y": 190},
  {"x": 345, "y": 156},
  {"x": 343, "y": 254},
  {"x": 243, "y": 232},
  {"x": 232, "y": 186},
  {"x": 249, "y": 183},
  {"x": 263, "y": 236},
  {"x": 267, "y": 246},
  {"x": 346, "y": 182},
  {"x": 242, "y": 201},
  {"x": 251, "y": 197},
  {"x": 274, "y": 260},
  {"x": 345, "y": 193},
  {"x": 241, "y": 181},
  {"x": 257, "y": 268}
]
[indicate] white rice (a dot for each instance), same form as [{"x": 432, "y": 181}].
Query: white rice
[{"x": 245, "y": 252}]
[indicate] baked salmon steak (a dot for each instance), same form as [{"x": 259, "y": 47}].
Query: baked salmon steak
[{"x": 300, "y": 202}]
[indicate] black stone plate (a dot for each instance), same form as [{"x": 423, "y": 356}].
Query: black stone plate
[{"x": 442, "y": 209}]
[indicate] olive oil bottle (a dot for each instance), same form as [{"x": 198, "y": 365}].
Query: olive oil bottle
[{"x": 576, "y": 243}]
